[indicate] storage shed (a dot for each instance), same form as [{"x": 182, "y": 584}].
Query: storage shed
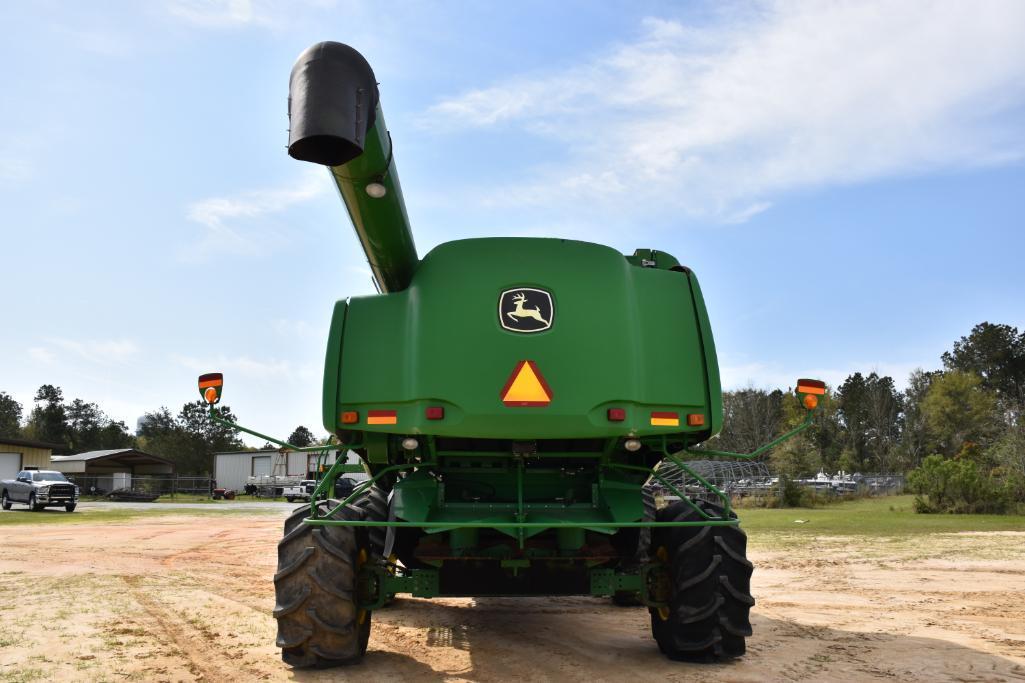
[
  {"x": 232, "y": 469},
  {"x": 17, "y": 454}
]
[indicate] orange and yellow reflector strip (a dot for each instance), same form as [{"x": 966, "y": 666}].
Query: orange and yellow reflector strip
[
  {"x": 811, "y": 386},
  {"x": 665, "y": 419},
  {"x": 526, "y": 387},
  {"x": 210, "y": 386},
  {"x": 382, "y": 417}
]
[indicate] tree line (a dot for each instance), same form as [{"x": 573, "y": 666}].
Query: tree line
[
  {"x": 958, "y": 431},
  {"x": 188, "y": 438}
]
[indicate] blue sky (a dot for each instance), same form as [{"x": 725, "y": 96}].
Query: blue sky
[{"x": 846, "y": 179}]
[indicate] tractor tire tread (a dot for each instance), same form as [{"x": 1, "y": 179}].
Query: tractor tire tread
[{"x": 710, "y": 575}]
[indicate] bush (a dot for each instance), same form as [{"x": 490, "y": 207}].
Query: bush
[{"x": 960, "y": 486}]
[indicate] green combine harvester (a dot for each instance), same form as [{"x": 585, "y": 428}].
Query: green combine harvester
[{"x": 511, "y": 399}]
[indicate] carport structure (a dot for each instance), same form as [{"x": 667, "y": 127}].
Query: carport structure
[
  {"x": 122, "y": 468},
  {"x": 122, "y": 460}
]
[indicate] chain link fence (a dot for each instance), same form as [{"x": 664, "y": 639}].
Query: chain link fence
[
  {"x": 742, "y": 479},
  {"x": 150, "y": 484}
]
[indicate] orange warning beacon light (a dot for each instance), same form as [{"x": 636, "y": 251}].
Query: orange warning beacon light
[
  {"x": 210, "y": 386},
  {"x": 809, "y": 390}
]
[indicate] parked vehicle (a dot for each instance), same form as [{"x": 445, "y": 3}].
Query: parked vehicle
[
  {"x": 39, "y": 489},
  {"x": 301, "y": 491}
]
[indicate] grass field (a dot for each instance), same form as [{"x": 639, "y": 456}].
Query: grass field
[{"x": 884, "y": 516}]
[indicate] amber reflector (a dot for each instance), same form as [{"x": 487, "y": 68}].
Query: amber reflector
[
  {"x": 695, "y": 419},
  {"x": 350, "y": 417}
]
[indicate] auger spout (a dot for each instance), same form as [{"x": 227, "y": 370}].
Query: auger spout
[{"x": 335, "y": 120}]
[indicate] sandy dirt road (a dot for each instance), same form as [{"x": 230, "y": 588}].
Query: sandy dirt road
[{"x": 188, "y": 597}]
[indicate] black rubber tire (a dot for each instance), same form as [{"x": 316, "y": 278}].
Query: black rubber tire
[
  {"x": 630, "y": 598},
  {"x": 32, "y": 503},
  {"x": 319, "y": 623},
  {"x": 374, "y": 503},
  {"x": 70, "y": 507},
  {"x": 290, "y": 499},
  {"x": 6, "y": 501},
  {"x": 710, "y": 583}
]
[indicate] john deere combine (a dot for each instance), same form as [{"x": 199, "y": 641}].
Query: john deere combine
[{"x": 512, "y": 400}]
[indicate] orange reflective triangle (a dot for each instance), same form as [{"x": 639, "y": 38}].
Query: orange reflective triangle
[{"x": 526, "y": 387}]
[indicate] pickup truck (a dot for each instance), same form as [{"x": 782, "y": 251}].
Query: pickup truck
[
  {"x": 39, "y": 489},
  {"x": 301, "y": 491}
]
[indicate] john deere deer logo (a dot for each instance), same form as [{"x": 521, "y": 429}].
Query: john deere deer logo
[{"x": 525, "y": 310}]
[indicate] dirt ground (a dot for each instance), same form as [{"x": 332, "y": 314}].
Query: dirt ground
[{"x": 189, "y": 597}]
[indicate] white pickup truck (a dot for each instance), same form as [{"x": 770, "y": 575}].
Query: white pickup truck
[
  {"x": 39, "y": 489},
  {"x": 301, "y": 491}
]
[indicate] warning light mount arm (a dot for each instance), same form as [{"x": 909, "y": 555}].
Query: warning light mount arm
[{"x": 806, "y": 389}]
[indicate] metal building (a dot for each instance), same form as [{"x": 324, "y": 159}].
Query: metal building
[
  {"x": 17, "y": 454},
  {"x": 233, "y": 469}
]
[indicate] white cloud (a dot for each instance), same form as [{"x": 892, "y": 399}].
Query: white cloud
[
  {"x": 98, "y": 351},
  {"x": 719, "y": 119},
  {"x": 776, "y": 376},
  {"x": 219, "y": 13},
  {"x": 14, "y": 170},
  {"x": 228, "y": 220},
  {"x": 41, "y": 355},
  {"x": 250, "y": 368}
]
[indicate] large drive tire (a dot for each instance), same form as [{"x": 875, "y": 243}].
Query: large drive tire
[
  {"x": 6, "y": 501},
  {"x": 319, "y": 622},
  {"x": 70, "y": 507},
  {"x": 374, "y": 503},
  {"x": 710, "y": 587},
  {"x": 32, "y": 503}
]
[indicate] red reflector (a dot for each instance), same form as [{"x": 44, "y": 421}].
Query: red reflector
[
  {"x": 434, "y": 413},
  {"x": 616, "y": 414},
  {"x": 695, "y": 419}
]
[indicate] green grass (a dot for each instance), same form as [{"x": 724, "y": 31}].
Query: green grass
[
  {"x": 884, "y": 516},
  {"x": 59, "y": 516}
]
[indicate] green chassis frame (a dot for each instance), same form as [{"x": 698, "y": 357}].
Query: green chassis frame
[{"x": 377, "y": 583}]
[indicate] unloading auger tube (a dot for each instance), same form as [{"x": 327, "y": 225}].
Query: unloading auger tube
[
  {"x": 335, "y": 120},
  {"x": 511, "y": 400}
]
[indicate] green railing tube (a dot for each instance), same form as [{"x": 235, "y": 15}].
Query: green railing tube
[
  {"x": 665, "y": 482},
  {"x": 283, "y": 444},
  {"x": 761, "y": 449}
]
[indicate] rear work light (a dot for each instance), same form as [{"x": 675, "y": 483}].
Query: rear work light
[
  {"x": 616, "y": 414},
  {"x": 435, "y": 413}
]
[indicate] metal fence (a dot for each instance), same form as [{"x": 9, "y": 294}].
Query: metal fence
[
  {"x": 159, "y": 484},
  {"x": 740, "y": 479}
]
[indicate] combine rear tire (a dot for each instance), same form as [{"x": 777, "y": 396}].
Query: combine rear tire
[
  {"x": 374, "y": 503},
  {"x": 710, "y": 588},
  {"x": 319, "y": 622}
]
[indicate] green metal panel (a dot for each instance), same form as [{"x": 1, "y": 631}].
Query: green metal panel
[{"x": 622, "y": 336}]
